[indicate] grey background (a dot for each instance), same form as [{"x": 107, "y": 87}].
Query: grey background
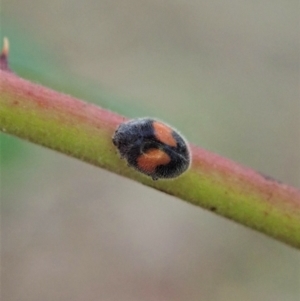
[{"x": 226, "y": 73}]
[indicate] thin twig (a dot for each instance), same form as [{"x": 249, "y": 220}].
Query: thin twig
[{"x": 84, "y": 131}]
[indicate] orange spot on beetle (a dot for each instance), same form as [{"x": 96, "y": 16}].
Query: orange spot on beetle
[
  {"x": 164, "y": 134},
  {"x": 151, "y": 159}
]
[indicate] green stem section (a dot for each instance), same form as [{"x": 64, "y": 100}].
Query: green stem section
[{"x": 84, "y": 131}]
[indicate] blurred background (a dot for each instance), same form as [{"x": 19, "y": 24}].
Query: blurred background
[{"x": 226, "y": 74}]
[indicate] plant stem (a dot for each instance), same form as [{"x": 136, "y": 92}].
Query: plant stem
[{"x": 84, "y": 131}]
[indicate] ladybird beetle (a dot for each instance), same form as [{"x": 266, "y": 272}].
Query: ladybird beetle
[{"x": 152, "y": 147}]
